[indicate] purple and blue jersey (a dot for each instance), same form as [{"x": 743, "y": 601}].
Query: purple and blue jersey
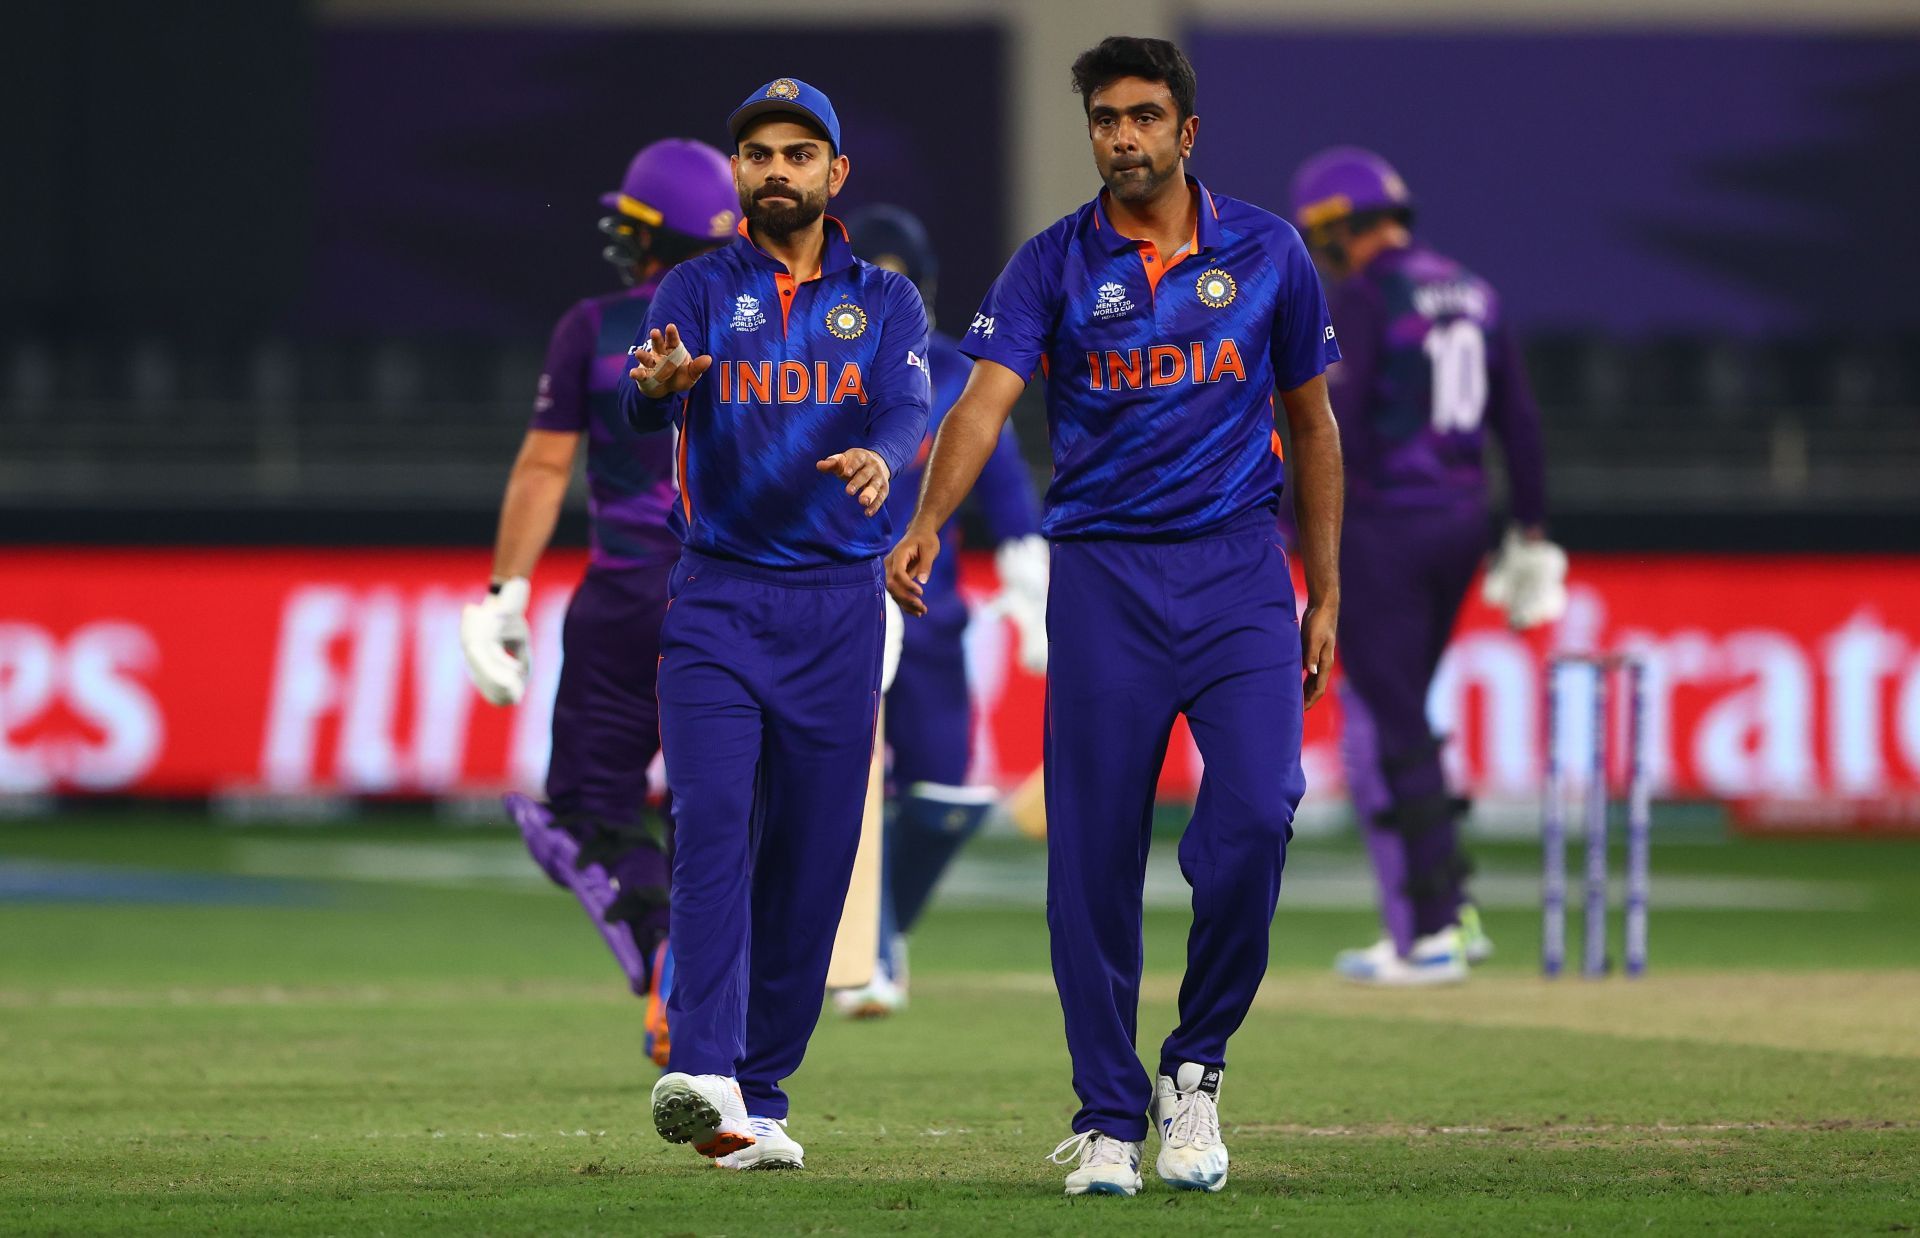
[
  {"x": 1004, "y": 491},
  {"x": 801, "y": 371},
  {"x": 1431, "y": 365},
  {"x": 630, "y": 486},
  {"x": 1160, "y": 407}
]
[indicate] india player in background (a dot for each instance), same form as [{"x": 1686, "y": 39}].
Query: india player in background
[
  {"x": 592, "y": 835},
  {"x": 932, "y": 811},
  {"x": 1163, "y": 318},
  {"x": 793, "y": 380},
  {"x": 1431, "y": 365}
]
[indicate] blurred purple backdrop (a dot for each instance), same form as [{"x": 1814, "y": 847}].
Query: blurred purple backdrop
[
  {"x": 459, "y": 168},
  {"x": 1748, "y": 183}
]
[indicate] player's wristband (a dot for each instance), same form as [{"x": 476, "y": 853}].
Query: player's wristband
[{"x": 651, "y": 387}]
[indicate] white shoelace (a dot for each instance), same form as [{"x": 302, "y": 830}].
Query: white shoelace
[
  {"x": 1094, "y": 1148},
  {"x": 1196, "y": 1121}
]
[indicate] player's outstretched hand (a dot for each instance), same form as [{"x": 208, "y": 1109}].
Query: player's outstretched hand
[
  {"x": 663, "y": 366},
  {"x": 1317, "y": 628},
  {"x": 909, "y": 566},
  {"x": 865, "y": 473}
]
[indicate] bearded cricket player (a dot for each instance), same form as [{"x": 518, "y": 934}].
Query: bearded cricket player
[
  {"x": 1432, "y": 368},
  {"x": 791, "y": 379},
  {"x": 1163, "y": 318},
  {"x": 932, "y": 810},
  {"x": 592, "y": 836}
]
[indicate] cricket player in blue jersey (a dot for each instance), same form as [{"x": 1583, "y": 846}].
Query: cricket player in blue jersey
[
  {"x": 793, "y": 379},
  {"x": 932, "y": 810},
  {"x": 1163, "y": 318},
  {"x": 591, "y": 837},
  {"x": 1432, "y": 365}
]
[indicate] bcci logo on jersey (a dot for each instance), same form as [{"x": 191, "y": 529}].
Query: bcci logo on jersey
[
  {"x": 847, "y": 321},
  {"x": 746, "y": 313},
  {"x": 1110, "y": 301},
  {"x": 1216, "y": 288}
]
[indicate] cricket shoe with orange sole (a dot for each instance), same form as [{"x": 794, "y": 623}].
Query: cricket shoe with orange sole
[
  {"x": 885, "y": 994},
  {"x": 772, "y": 1148},
  {"x": 703, "y": 1110}
]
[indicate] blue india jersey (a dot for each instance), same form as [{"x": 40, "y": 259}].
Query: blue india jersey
[
  {"x": 1160, "y": 370},
  {"x": 801, "y": 371}
]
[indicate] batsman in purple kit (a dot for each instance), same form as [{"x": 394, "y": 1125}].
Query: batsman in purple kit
[
  {"x": 592, "y": 836},
  {"x": 1431, "y": 366},
  {"x": 1163, "y": 318},
  {"x": 791, "y": 380},
  {"x": 932, "y": 811}
]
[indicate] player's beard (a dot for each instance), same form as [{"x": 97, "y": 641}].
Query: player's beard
[
  {"x": 1130, "y": 185},
  {"x": 781, "y": 216}
]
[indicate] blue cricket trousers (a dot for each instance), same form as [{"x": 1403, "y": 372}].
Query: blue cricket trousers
[
  {"x": 769, "y": 691},
  {"x": 1140, "y": 632}
]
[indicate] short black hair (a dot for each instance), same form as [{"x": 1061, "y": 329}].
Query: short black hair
[{"x": 1153, "y": 60}]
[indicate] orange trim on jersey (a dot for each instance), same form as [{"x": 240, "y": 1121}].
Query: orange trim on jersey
[
  {"x": 1150, "y": 259},
  {"x": 1046, "y": 370},
  {"x": 1278, "y": 450},
  {"x": 784, "y": 282},
  {"x": 680, "y": 471}
]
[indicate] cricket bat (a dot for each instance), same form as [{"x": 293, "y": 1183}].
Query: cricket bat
[
  {"x": 856, "y": 946},
  {"x": 1027, "y": 806}
]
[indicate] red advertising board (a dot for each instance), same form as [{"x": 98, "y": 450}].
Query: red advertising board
[{"x": 1788, "y": 684}]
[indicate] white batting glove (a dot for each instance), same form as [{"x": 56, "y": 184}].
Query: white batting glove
[
  {"x": 493, "y": 635},
  {"x": 896, "y": 639},
  {"x": 1528, "y": 580},
  {"x": 1023, "y": 565}
]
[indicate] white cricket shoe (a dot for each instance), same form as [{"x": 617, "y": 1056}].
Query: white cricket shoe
[
  {"x": 772, "y": 1148},
  {"x": 877, "y": 999},
  {"x": 1438, "y": 958},
  {"x": 703, "y": 1110},
  {"x": 1106, "y": 1166},
  {"x": 1186, "y": 1112},
  {"x": 886, "y": 993}
]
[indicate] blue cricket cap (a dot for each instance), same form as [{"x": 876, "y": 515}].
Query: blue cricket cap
[{"x": 787, "y": 94}]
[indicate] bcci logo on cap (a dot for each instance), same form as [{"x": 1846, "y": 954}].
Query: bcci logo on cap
[
  {"x": 784, "y": 88},
  {"x": 847, "y": 320},
  {"x": 1216, "y": 288},
  {"x": 722, "y": 223}
]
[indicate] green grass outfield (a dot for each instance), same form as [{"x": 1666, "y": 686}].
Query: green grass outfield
[{"x": 397, "y": 1028}]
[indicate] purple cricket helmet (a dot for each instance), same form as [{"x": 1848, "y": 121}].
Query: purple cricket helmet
[
  {"x": 1342, "y": 181},
  {"x": 680, "y": 189}
]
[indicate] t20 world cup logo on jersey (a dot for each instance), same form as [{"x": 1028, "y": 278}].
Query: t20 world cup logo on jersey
[
  {"x": 1110, "y": 300},
  {"x": 746, "y": 313}
]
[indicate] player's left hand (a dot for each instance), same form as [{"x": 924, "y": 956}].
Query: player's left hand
[
  {"x": 1317, "y": 628},
  {"x": 865, "y": 473}
]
